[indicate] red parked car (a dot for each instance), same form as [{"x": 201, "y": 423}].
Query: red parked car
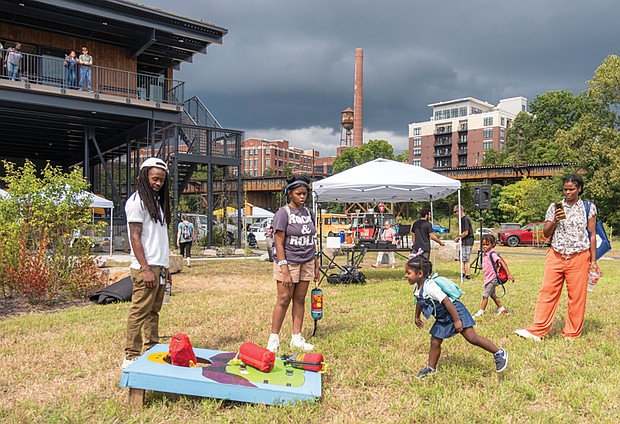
[{"x": 531, "y": 233}]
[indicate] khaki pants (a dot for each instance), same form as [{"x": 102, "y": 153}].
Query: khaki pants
[
  {"x": 574, "y": 271},
  {"x": 144, "y": 313}
]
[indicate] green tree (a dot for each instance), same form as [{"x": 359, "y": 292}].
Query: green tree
[
  {"x": 403, "y": 157},
  {"x": 355, "y": 156}
]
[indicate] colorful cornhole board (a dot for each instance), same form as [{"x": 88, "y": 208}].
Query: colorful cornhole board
[{"x": 221, "y": 380}]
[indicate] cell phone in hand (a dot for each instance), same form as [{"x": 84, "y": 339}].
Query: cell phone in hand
[{"x": 559, "y": 206}]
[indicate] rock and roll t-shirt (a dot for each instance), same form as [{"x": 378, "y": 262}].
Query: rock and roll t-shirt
[{"x": 300, "y": 230}]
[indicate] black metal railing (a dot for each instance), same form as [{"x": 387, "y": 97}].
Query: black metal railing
[{"x": 67, "y": 75}]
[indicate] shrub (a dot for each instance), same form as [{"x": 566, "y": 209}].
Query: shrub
[{"x": 42, "y": 258}]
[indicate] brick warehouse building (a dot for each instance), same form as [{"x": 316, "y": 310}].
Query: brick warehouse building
[
  {"x": 257, "y": 156},
  {"x": 460, "y": 131}
]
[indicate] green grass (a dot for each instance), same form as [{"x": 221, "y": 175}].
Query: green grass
[{"x": 64, "y": 366}]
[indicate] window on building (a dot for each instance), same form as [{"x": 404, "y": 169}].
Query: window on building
[
  {"x": 475, "y": 111},
  {"x": 417, "y": 151},
  {"x": 417, "y": 131},
  {"x": 502, "y": 132},
  {"x": 502, "y": 144},
  {"x": 487, "y": 144},
  {"x": 417, "y": 141},
  {"x": 487, "y": 132},
  {"x": 267, "y": 152},
  {"x": 463, "y": 111},
  {"x": 463, "y": 138},
  {"x": 255, "y": 152},
  {"x": 267, "y": 162},
  {"x": 296, "y": 156},
  {"x": 488, "y": 121},
  {"x": 417, "y": 162},
  {"x": 503, "y": 121}
]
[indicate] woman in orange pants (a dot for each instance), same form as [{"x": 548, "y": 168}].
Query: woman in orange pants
[{"x": 571, "y": 256}]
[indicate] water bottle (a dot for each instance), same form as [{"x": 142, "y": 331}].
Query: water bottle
[
  {"x": 167, "y": 289},
  {"x": 593, "y": 277}
]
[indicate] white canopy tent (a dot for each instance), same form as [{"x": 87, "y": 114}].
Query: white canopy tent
[
  {"x": 383, "y": 180},
  {"x": 100, "y": 202}
]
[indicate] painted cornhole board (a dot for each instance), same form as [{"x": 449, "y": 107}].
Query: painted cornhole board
[{"x": 220, "y": 380}]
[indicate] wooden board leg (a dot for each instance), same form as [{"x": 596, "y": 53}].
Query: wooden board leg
[{"x": 136, "y": 397}]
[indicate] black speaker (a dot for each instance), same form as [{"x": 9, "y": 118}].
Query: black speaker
[{"x": 482, "y": 196}]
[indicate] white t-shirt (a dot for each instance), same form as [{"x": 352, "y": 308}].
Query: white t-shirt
[
  {"x": 154, "y": 234},
  {"x": 431, "y": 290}
]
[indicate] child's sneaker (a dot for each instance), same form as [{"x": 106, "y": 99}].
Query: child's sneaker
[
  {"x": 526, "y": 334},
  {"x": 299, "y": 342},
  {"x": 501, "y": 360},
  {"x": 502, "y": 310},
  {"x": 479, "y": 313},
  {"x": 274, "y": 343},
  {"x": 426, "y": 371}
]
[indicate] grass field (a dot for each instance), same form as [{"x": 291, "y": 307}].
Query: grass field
[{"x": 64, "y": 366}]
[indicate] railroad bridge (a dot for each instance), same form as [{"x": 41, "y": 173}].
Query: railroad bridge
[{"x": 266, "y": 192}]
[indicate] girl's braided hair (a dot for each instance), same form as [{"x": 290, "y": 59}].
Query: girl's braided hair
[
  {"x": 153, "y": 201},
  {"x": 419, "y": 263}
]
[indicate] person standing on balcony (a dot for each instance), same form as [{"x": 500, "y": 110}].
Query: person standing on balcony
[
  {"x": 71, "y": 68},
  {"x": 148, "y": 217},
  {"x": 85, "y": 61},
  {"x": 12, "y": 62}
]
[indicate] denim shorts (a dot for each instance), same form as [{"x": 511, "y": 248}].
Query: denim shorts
[{"x": 466, "y": 251}]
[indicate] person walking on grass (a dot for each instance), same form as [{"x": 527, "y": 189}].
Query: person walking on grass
[
  {"x": 569, "y": 260},
  {"x": 451, "y": 318},
  {"x": 296, "y": 262},
  {"x": 491, "y": 279},
  {"x": 389, "y": 235},
  {"x": 148, "y": 217},
  {"x": 467, "y": 241},
  {"x": 185, "y": 236}
]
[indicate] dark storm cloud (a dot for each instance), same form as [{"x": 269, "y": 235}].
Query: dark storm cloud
[{"x": 289, "y": 65}]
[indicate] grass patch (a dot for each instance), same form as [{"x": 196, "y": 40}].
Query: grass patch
[{"x": 64, "y": 366}]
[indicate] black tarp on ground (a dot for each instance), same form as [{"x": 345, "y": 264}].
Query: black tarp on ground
[{"x": 117, "y": 292}]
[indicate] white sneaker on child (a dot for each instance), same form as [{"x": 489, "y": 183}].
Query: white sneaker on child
[
  {"x": 479, "y": 313},
  {"x": 502, "y": 310},
  {"x": 299, "y": 342},
  {"x": 274, "y": 343}
]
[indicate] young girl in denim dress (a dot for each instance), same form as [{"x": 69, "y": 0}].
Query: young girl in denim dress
[{"x": 451, "y": 317}]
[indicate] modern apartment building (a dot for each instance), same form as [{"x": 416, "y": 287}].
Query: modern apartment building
[
  {"x": 258, "y": 156},
  {"x": 460, "y": 131}
]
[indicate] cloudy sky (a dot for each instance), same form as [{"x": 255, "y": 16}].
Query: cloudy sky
[{"x": 285, "y": 69}]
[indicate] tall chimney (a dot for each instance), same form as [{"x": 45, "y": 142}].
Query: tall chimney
[{"x": 358, "y": 101}]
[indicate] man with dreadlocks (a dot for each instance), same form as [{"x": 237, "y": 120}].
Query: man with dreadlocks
[{"x": 148, "y": 216}]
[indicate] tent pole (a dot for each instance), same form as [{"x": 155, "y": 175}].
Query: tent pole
[{"x": 460, "y": 240}]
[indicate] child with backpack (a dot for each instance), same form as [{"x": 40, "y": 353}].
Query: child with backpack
[
  {"x": 491, "y": 263},
  {"x": 451, "y": 316}
]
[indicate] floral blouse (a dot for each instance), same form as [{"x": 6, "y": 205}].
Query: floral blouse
[{"x": 571, "y": 235}]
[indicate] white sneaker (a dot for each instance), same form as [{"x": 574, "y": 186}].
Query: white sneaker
[
  {"x": 274, "y": 343},
  {"x": 526, "y": 334},
  {"x": 502, "y": 310},
  {"x": 299, "y": 342},
  {"x": 479, "y": 313},
  {"x": 127, "y": 362}
]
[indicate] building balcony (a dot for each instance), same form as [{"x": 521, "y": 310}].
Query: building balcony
[
  {"x": 443, "y": 153},
  {"x": 462, "y": 141},
  {"x": 443, "y": 130},
  {"x": 462, "y": 151},
  {"x": 51, "y": 75},
  {"x": 443, "y": 141},
  {"x": 463, "y": 128}
]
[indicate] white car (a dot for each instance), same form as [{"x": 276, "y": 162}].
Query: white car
[{"x": 484, "y": 231}]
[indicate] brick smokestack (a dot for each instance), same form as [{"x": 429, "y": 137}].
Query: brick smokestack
[{"x": 358, "y": 101}]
